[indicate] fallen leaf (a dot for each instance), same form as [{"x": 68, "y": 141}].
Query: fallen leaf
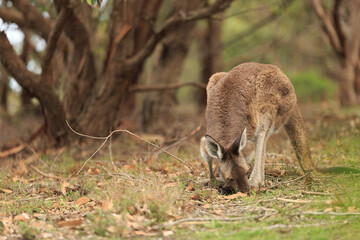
[
  {"x": 20, "y": 217},
  {"x": 64, "y": 185},
  {"x": 173, "y": 184},
  {"x": 190, "y": 187},
  {"x": 194, "y": 197},
  {"x": 234, "y": 196},
  {"x": 206, "y": 206},
  {"x": 93, "y": 171},
  {"x": 167, "y": 233},
  {"x": 328, "y": 209},
  {"x": 107, "y": 206},
  {"x": 73, "y": 222},
  {"x": 6, "y": 190},
  {"x": 56, "y": 205},
  {"x": 351, "y": 209},
  {"x": 82, "y": 200},
  {"x": 128, "y": 167}
]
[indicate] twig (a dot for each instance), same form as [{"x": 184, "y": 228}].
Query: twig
[
  {"x": 316, "y": 193},
  {"x": 276, "y": 226},
  {"x": 139, "y": 88},
  {"x": 44, "y": 174},
  {"x": 206, "y": 220},
  {"x": 128, "y": 132},
  {"x": 294, "y": 180},
  {"x": 193, "y": 132},
  {"x": 328, "y": 213},
  {"x": 302, "y": 201}
]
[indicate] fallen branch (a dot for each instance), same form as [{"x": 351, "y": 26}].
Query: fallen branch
[
  {"x": 294, "y": 180},
  {"x": 44, "y": 174},
  {"x": 11, "y": 151},
  {"x": 139, "y": 88},
  {"x": 316, "y": 193},
  {"x": 128, "y": 132}
]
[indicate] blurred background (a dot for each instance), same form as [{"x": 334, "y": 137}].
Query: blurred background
[{"x": 144, "y": 65}]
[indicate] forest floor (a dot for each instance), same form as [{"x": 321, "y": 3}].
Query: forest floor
[{"x": 130, "y": 189}]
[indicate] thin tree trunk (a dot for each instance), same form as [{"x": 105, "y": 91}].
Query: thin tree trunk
[
  {"x": 4, "y": 89},
  {"x": 158, "y": 107},
  {"x": 211, "y": 54},
  {"x": 26, "y": 103}
]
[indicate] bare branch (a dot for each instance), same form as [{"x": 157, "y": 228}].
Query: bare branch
[
  {"x": 337, "y": 23},
  {"x": 32, "y": 18},
  {"x": 173, "y": 22},
  {"x": 53, "y": 39},
  {"x": 139, "y": 88},
  {"x": 328, "y": 26},
  {"x": 15, "y": 66}
]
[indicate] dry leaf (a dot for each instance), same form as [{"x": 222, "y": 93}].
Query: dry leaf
[
  {"x": 56, "y": 205},
  {"x": 64, "y": 185},
  {"x": 173, "y": 184},
  {"x": 351, "y": 209},
  {"x": 190, "y": 187},
  {"x": 167, "y": 233},
  {"x": 128, "y": 167},
  {"x": 6, "y": 190},
  {"x": 107, "y": 206},
  {"x": 234, "y": 196},
  {"x": 21, "y": 217},
  {"x": 73, "y": 222},
  {"x": 93, "y": 171},
  {"x": 206, "y": 206},
  {"x": 328, "y": 209},
  {"x": 82, "y": 200}
]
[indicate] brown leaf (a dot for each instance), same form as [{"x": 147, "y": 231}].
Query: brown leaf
[
  {"x": 72, "y": 222},
  {"x": 328, "y": 209},
  {"x": 190, "y": 187},
  {"x": 194, "y": 197},
  {"x": 6, "y": 190},
  {"x": 107, "y": 206},
  {"x": 21, "y": 217},
  {"x": 173, "y": 184},
  {"x": 351, "y": 209},
  {"x": 56, "y": 205},
  {"x": 82, "y": 200},
  {"x": 64, "y": 185},
  {"x": 234, "y": 196},
  {"x": 128, "y": 167},
  {"x": 93, "y": 171},
  {"x": 206, "y": 206}
]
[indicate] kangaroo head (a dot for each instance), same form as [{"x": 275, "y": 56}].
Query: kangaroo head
[{"x": 232, "y": 164}]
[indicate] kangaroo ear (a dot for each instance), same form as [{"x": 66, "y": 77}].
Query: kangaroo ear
[
  {"x": 214, "y": 149},
  {"x": 239, "y": 143}
]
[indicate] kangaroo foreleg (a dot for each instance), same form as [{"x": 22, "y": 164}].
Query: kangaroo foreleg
[{"x": 256, "y": 175}]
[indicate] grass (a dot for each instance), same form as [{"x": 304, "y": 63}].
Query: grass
[{"x": 143, "y": 195}]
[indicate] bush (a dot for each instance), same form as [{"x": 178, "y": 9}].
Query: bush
[{"x": 310, "y": 86}]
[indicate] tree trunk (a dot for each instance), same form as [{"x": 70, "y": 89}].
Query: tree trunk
[
  {"x": 158, "y": 107},
  {"x": 55, "y": 125},
  {"x": 129, "y": 32},
  {"x": 4, "y": 89},
  {"x": 347, "y": 90},
  {"x": 26, "y": 103},
  {"x": 211, "y": 54}
]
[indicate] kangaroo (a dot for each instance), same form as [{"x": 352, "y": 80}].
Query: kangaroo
[{"x": 244, "y": 107}]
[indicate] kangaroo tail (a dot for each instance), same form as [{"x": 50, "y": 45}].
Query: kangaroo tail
[{"x": 295, "y": 128}]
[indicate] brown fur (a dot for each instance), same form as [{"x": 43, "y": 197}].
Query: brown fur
[{"x": 260, "y": 98}]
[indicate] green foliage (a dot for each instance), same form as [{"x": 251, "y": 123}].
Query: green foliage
[{"x": 312, "y": 87}]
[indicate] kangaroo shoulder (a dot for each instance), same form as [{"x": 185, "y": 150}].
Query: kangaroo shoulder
[{"x": 214, "y": 79}]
